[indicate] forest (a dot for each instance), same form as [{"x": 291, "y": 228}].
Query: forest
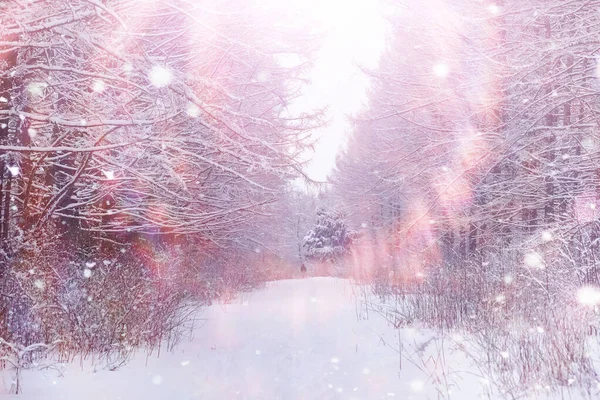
[
  {"x": 475, "y": 169},
  {"x": 152, "y": 164}
]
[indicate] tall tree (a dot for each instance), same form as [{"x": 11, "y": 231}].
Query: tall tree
[
  {"x": 329, "y": 240},
  {"x": 125, "y": 125}
]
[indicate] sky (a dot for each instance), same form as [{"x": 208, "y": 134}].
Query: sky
[{"x": 355, "y": 35}]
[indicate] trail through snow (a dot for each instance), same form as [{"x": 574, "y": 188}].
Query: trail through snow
[{"x": 296, "y": 339}]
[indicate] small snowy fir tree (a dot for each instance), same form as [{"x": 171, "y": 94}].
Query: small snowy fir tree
[{"x": 330, "y": 239}]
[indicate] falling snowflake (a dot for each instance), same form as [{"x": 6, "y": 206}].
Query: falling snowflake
[
  {"x": 32, "y": 132},
  {"x": 157, "y": 379},
  {"x": 185, "y": 363},
  {"x": 534, "y": 260},
  {"x": 109, "y": 174},
  {"x": 493, "y": 8},
  {"x": 508, "y": 279},
  {"x": 441, "y": 70},
  {"x": 40, "y": 284},
  {"x": 193, "y": 110},
  {"x": 588, "y": 296},
  {"x": 547, "y": 236},
  {"x": 417, "y": 386},
  {"x": 160, "y": 76},
  {"x": 98, "y": 86},
  {"x": 87, "y": 273}
]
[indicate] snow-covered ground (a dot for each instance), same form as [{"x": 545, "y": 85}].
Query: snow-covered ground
[{"x": 297, "y": 339}]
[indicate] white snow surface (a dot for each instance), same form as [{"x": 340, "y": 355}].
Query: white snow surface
[{"x": 296, "y": 339}]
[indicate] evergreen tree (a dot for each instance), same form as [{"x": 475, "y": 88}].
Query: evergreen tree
[{"x": 330, "y": 239}]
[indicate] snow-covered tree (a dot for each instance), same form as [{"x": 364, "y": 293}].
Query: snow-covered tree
[
  {"x": 476, "y": 165},
  {"x": 127, "y": 126},
  {"x": 330, "y": 239}
]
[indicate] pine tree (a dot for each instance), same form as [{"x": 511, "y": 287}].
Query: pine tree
[{"x": 330, "y": 239}]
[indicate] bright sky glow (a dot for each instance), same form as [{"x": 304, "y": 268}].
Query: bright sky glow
[{"x": 355, "y": 34}]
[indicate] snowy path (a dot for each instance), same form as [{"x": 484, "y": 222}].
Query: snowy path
[{"x": 297, "y": 339}]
